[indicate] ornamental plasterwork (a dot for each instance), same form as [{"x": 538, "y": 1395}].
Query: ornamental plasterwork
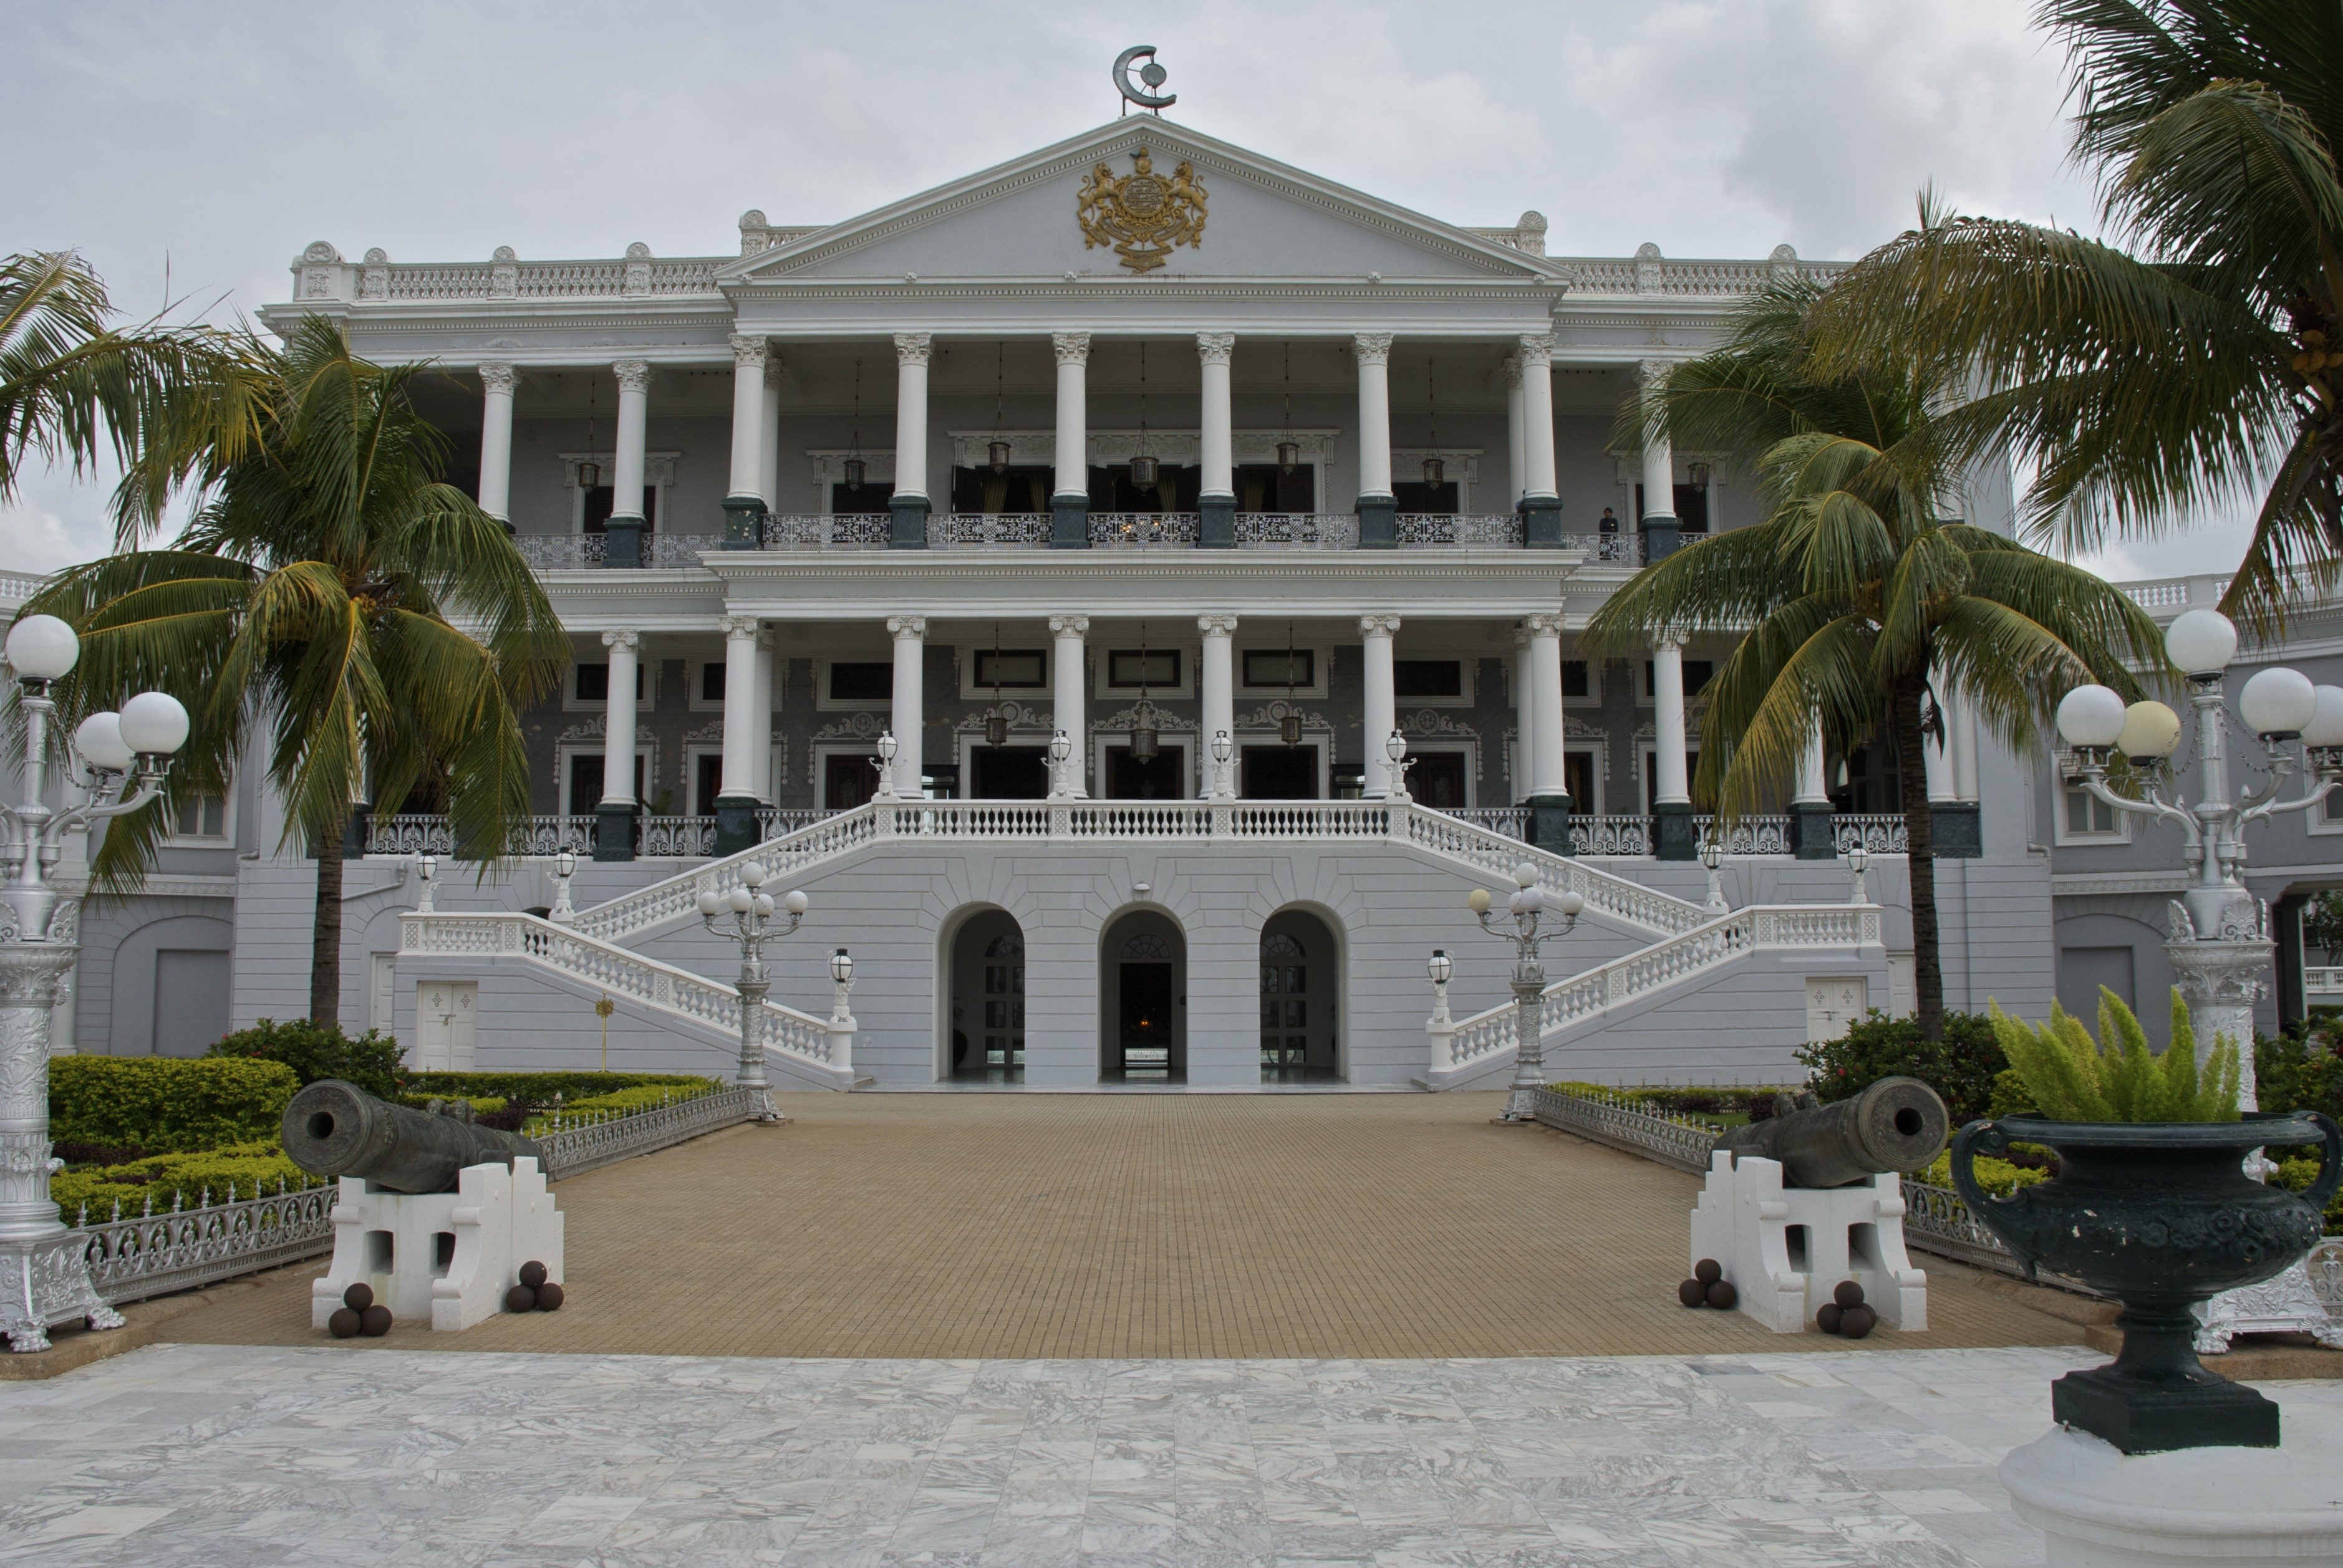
[
  {"x": 1143, "y": 216},
  {"x": 591, "y": 730},
  {"x": 1020, "y": 715},
  {"x": 708, "y": 734},
  {"x": 862, "y": 726},
  {"x": 1427, "y": 722},
  {"x": 1270, "y": 715},
  {"x": 1125, "y": 719},
  {"x": 658, "y": 467}
]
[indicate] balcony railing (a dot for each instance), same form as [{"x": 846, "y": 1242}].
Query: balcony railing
[
  {"x": 1297, "y": 530},
  {"x": 1879, "y": 833},
  {"x": 1423, "y": 528},
  {"x": 1145, "y": 531}
]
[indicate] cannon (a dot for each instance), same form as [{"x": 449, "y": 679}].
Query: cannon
[
  {"x": 1896, "y": 1124},
  {"x": 336, "y": 1129}
]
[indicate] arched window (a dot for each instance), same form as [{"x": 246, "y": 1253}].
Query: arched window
[
  {"x": 1010, "y": 946},
  {"x": 1004, "y": 1001},
  {"x": 1147, "y": 947},
  {"x": 1284, "y": 1002}
]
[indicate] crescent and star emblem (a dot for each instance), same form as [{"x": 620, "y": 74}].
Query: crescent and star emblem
[{"x": 1151, "y": 73}]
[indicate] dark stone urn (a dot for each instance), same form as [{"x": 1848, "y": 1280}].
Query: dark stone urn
[{"x": 2160, "y": 1216}]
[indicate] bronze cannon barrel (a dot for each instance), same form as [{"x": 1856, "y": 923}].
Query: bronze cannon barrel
[
  {"x": 1896, "y": 1124},
  {"x": 337, "y": 1129}
]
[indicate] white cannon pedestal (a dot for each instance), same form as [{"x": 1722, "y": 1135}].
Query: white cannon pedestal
[
  {"x": 1786, "y": 1248},
  {"x": 446, "y": 1256}
]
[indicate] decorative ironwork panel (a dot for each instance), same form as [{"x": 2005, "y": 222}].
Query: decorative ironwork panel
[
  {"x": 1672, "y": 1140},
  {"x": 679, "y": 549},
  {"x": 668, "y": 837},
  {"x": 1425, "y": 528},
  {"x": 1879, "y": 833},
  {"x": 1748, "y": 835},
  {"x": 1297, "y": 530},
  {"x": 555, "y": 552},
  {"x": 155, "y": 1254},
  {"x": 1512, "y": 821},
  {"x": 575, "y": 1150},
  {"x": 978, "y": 532},
  {"x": 1620, "y": 550},
  {"x": 1611, "y": 834},
  {"x": 1143, "y": 530}
]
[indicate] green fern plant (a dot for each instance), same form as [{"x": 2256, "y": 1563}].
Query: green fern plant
[{"x": 2117, "y": 1078}]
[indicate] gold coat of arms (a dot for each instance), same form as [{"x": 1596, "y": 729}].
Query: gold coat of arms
[{"x": 1142, "y": 214}]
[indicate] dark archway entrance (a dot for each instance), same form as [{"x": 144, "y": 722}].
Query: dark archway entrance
[
  {"x": 1301, "y": 1001},
  {"x": 985, "y": 1035},
  {"x": 1143, "y": 997}
]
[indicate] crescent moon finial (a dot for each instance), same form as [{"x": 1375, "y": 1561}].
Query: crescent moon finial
[{"x": 1152, "y": 75}]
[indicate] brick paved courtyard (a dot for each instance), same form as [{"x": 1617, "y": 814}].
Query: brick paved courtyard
[{"x": 1132, "y": 1226}]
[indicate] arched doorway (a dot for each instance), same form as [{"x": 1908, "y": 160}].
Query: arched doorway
[
  {"x": 1301, "y": 1000},
  {"x": 984, "y": 1040},
  {"x": 1144, "y": 997}
]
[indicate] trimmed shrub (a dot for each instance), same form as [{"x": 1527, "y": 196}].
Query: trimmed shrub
[
  {"x": 2301, "y": 1070},
  {"x": 248, "y": 1169},
  {"x": 1961, "y": 1067},
  {"x": 1998, "y": 1177},
  {"x": 166, "y": 1105},
  {"x": 620, "y": 1103},
  {"x": 539, "y": 1088},
  {"x": 2296, "y": 1175},
  {"x": 313, "y": 1050}
]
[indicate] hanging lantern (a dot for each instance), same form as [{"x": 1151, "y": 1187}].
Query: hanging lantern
[
  {"x": 996, "y": 730},
  {"x": 1699, "y": 474},
  {"x": 1289, "y": 729},
  {"x": 856, "y": 471},
  {"x": 998, "y": 454},
  {"x": 1435, "y": 472},
  {"x": 589, "y": 475},
  {"x": 1143, "y": 468},
  {"x": 1289, "y": 457},
  {"x": 1143, "y": 734},
  {"x": 1145, "y": 471}
]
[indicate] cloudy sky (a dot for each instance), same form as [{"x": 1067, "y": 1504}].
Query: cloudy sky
[{"x": 219, "y": 138}]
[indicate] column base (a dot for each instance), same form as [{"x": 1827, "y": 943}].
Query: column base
[
  {"x": 625, "y": 547},
  {"x": 744, "y": 523},
  {"x": 1541, "y": 522},
  {"x": 1674, "y": 837},
  {"x": 1810, "y": 831},
  {"x": 1216, "y": 529},
  {"x": 1069, "y": 522},
  {"x": 1378, "y": 523},
  {"x": 1956, "y": 831},
  {"x": 45, "y": 1281},
  {"x": 911, "y": 522},
  {"x": 736, "y": 824},
  {"x": 2103, "y": 1508},
  {"x": 1661, "y": 538},
  {"x": 614, "y": 832},
  {"x": 1550, "y": 823}
]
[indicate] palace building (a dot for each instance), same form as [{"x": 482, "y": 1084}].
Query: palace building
[{"x": 1134, "y": 592}]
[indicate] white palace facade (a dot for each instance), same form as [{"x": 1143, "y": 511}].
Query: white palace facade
[{"x": 1135, "y": 593}]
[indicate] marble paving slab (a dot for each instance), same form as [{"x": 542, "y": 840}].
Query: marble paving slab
[{"x": 221, "y": 1454}]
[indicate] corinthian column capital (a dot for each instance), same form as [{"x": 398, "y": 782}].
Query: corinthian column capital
[
  {"x": 634, "y": 375},
  {"x": 1071, "y": 348},
  {"x": 1537, "y": 349},
  {"x": 1215, "y": 347},
  {"x": 497, "y": 377},
  {"x": 912, "y": 347},
  {"x": 747, "y": 352},
  {"x": 1372, "y": 348}
]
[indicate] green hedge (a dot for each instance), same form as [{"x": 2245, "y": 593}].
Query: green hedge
[
  {"x": 1961, "y": 1068},
  {"x": 165, "y": 1104},
  {"x": 539, "y": 1088},
  {"x": 650, "y": 1097},
  {"x": 249, "y": 1168},
  {"x": 1998, "y": 1177}
]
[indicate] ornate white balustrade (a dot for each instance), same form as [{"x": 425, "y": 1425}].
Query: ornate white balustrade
[
  {"x": 1591, "y": 993},
  {"x": 790, "y": 1038},
  {"x": 1610, "y": 835},
  {"x": 1877, "y": 832},
  {"x": 614, "y": 280}
]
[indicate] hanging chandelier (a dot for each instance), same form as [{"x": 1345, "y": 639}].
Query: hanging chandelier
[
  {"x": 1288, "y": 450},
  {"x": 997, "y": 449},
  {"x": 1435, "y": 472},
  {"x": 1289, "y": 728},
  {"x": 1145, "y": 469},
  {"x": 1144, "y": 723},
  {"x": 856, "y": 469}
]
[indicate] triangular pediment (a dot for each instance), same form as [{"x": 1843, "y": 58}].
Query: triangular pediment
[{"x": 1024, "y": 219}]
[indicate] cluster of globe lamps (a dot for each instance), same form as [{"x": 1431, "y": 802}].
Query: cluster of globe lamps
[{"x": 2277, "y": 704}]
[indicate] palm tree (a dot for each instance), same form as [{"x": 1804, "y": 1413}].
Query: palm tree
[
  {"x": 161, "y": 401},
  {"x": 2192, "y": 359},
  {"x": 1858, "y": 604},
  {"x": 372, "y": 624}
]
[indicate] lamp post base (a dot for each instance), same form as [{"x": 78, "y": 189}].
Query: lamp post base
[
  {"x": 47, "y": 1282},
  {"x": 1529, "y": 1047},
  {"x": 43, "y": 1267}
]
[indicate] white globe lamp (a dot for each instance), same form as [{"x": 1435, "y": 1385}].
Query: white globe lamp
[
  {"x": 99, "y": 741},
  {"x": 2201, "y": 643},
  {"x": 153, "y": 724},
  {"x": 795, "y": 901},
  {"x": 2278, "y": 703},
  {"x": 2091, "y": 716},
  {"x": 43, "y": 647},
  {"x": 2325, "y": 729}
]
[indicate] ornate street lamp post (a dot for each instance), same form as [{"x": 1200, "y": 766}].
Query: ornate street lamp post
[
  {"x": 1223, "y": 751},
  {"x": 1712, "y": 856},
  {"x": 749, "y": 917},
  {"x": 2220, "y": 939},
  {"x": 43, "y": 1267},
  {"x": 1527, "y": 907}
]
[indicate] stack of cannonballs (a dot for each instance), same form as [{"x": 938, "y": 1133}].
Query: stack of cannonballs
[
  {"x": 1708, "y": 1287},
  {"x": 1844, "y": 1315},
  {"x": 535, "y": 1294},
  {"x": 359, "y": 1313}
]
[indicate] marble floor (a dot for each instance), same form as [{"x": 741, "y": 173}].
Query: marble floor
[{"x": 234, "y": 1455}]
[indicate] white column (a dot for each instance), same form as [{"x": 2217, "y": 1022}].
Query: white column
[
  {"x": 769, "y": 462},
  {"x": 1214, "y": 349},
  {"x": 497, "y": 384},
  {"x": 1066, "y": 676},
  {"x": 1673, "y": 789},
  {"x": 1380, "y": 713},
  {"x": 1373, "y": 351},
  {"x": 1537, "y": 416},
  {"x": 908, "y": 718},
  {"x": 1813, "y": 787},
  {"x": 1659, "y": 462},
  {"x": 761, "y": 782},
  {"x": 911, "y": 350},
  {"x": 618, "y": 719},
  {"x": 1524, "y": 712},
  {"x": 1516, "y": 463},
  {"x": 634, "y": 423},
  {"x": 1965, "y": 752},
  {"x": 1548, "y": 774},
  {"x": 740, "y": 706},
  {"x": 747, "y": 418},
  {"x": 1074, "y": 455},
  {"x": 1217, "y": 673}
]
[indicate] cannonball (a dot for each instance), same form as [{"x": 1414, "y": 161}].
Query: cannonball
[
  {"x": 1722, "y": 1295},
  {"x": 532, "y": 1274},
  {"x": 375, "y": 1322},
  {"x": 1828, "y": 1317},
  {"x": 359, "y": 1297},
  {"x": 344, "y": 1323},
  {"x": 549, "y": 1297},
  {"x": 1692, "y": 1293},
  {"x": 1708, "y": 1270},
  {"x": 1849, "y": 1295},
  {"x": 520, "y": 1299},
  {"x": 1857, "y": 1322}
]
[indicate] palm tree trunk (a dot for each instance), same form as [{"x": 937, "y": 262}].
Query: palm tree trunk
[
  {"x": 326, "y": 933},
  {"x": 1912, "y": 764}
]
